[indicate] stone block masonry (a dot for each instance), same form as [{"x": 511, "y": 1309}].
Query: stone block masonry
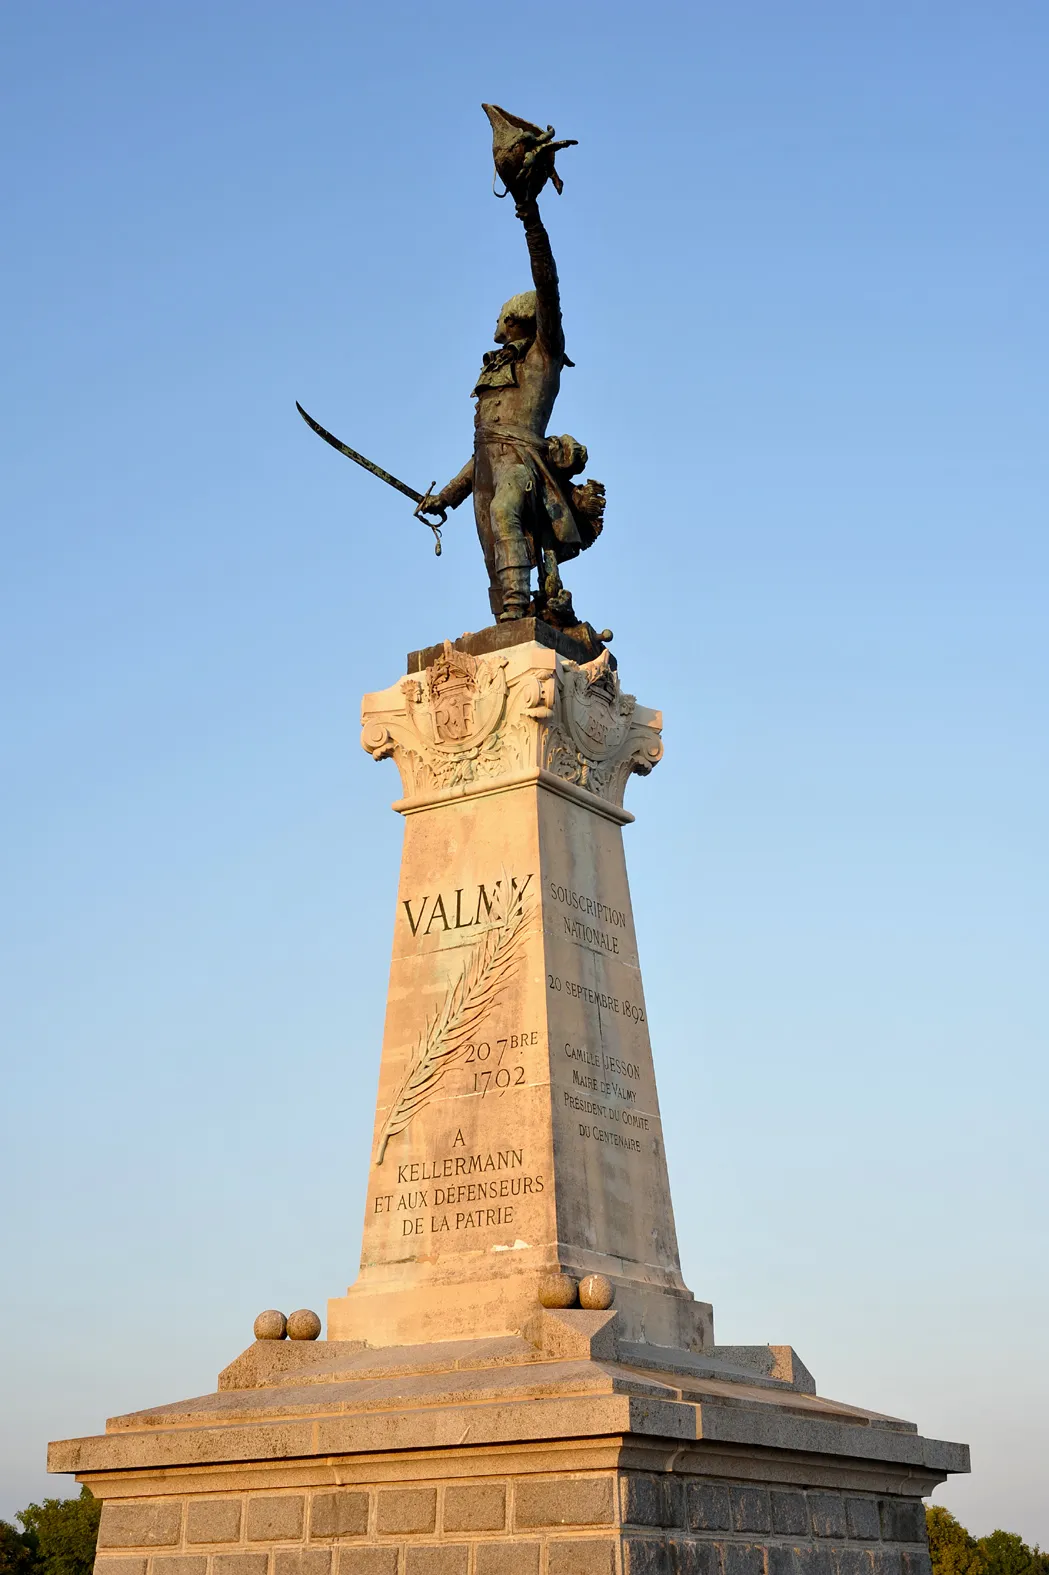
[{"x": 615, "y": 1522}]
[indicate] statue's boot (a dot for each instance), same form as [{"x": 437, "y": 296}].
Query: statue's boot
[
  {"x": 513, "y": 573},
  {"x": 517, "y": 596}
]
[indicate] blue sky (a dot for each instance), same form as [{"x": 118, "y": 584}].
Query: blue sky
[{"x": 803, "y": 252}]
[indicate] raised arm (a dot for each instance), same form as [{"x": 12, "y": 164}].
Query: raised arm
[{"x": 548, "y": 327}]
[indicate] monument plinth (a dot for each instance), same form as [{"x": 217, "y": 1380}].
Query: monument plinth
[
  {"x": 464, "y": 1415},
  {"x": 517, "y": 1133}
]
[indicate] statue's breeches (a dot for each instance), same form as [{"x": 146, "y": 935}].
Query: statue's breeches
[
  {"x": 504, "y": 508},
  {"x": 512, "y": 506}
]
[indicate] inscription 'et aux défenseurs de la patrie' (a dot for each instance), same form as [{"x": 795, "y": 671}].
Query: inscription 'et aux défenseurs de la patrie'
[{"x": 453, "y": 1170}]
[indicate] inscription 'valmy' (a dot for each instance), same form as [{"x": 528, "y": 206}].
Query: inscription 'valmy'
[{"x": 462, "y": 907}]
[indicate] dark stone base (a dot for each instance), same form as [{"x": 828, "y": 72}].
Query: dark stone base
[
  {"x": 498, "y": 636},
  {"x": 509, "y": 1516}
]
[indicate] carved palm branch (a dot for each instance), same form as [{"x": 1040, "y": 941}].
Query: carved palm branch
[{"x": 486, "y": 973}]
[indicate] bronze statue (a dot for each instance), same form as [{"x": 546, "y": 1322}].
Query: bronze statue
[{"x": 530, "y": 512}]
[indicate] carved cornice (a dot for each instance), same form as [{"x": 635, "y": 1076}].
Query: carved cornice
[{"x": 468, "y": 722}]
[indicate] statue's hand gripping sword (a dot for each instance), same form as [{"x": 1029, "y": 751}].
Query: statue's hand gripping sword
[{"x": 420, "y": 499}]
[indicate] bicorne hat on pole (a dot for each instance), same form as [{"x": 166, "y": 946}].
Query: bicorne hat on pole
[{"x": 524, "y": 154}]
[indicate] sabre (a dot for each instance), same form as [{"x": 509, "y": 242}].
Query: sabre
[{"x": 418, "y": 498}]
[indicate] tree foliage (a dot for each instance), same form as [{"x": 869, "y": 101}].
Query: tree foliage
[
  {"x": 57, "y": 1538},
  {"x": 1005, "y": 1553},
  {"x": 18, "y": 1550},
  {"x": 954, "y": 1552}
]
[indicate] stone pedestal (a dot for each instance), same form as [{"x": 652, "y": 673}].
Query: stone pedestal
[
  {"x": 517, "y": 1132},
  {"x": 450, "y": 1424}
]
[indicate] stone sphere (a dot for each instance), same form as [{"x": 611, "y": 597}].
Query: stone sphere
[
  {"x": 558, "y": 1290},
  {"x": 271, "y": 1325},
  {"x": 596, "y": 1292},
  {"x": 303, "y": 1325}
]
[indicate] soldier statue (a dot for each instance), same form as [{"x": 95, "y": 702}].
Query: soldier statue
[{"x": 530, "y": 512}]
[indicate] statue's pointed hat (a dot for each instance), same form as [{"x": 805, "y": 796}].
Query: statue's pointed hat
[
  {"x": 523, "y": 153},
  {"x": 507, "y": 128}
]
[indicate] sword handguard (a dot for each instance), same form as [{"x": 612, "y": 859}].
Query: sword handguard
[{"x": 425, "y": 502}]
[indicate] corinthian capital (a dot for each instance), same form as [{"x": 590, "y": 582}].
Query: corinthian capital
[{"x": 468, "y": 723}]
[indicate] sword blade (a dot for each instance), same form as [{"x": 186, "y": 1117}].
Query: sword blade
[{"x": 359, "y": 459}]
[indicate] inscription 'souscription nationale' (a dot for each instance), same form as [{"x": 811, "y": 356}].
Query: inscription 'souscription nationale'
[{"x": 578, "y": 929}]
